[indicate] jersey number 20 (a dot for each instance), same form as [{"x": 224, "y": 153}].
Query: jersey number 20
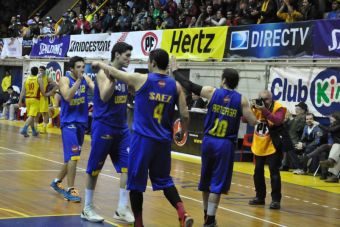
[{"x": 219, "y": 129}]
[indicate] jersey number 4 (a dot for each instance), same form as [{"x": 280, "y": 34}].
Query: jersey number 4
[
  {"x": 219, "y": 129},
  {"x": 158, "y": 112}
]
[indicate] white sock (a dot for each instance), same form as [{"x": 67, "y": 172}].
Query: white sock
[
  {"x": 212, "y": 207},
  {"x": 123, "y": 197},
  {"x": 50, "y": 120},
  {"x": 88, "y": 197}
]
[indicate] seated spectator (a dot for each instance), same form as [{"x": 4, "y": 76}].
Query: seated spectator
[
  {"x": 10, "y": 105},
  {"x": 335, "y": 13},
  {"x": 47, "y": 29},
  {"x": 228, "y": 5},
  {"x": 192, "y": 9},
  {"x": 220, "y": 19},
  {"x": 155, "y": 9},
  {"x": 83, "y": 26},
  {"x": 310, "y": 140},
  {"x": 168, "y": 21},
  {"x": 248, "y": 13},
  {"x": 124, "y": 21},
  {"x": 109, "y": 23},
  {"x": 149, "y": 24},
  {"x": 196, "y": 102},
  {"x": 159, "y": 23},
  {"x": 291, "y": 14},
  {"x": 230, "y": 21},
  {"x": 308, "y": 10},
  {"x": 66, "y": 26},
  {"x": 88, "y": 15},
  {"x": 95, "y": 25},
  {"x": 204, "y": 19},
  {"x": 295, "y": 127},
  {"x": 193, "y": 22},
  {"x": 268, "y": 12},
  {"x": 171, "y": 7},
  {"x": 182, "y": 21},
  {"x": 333, "y": 162}
]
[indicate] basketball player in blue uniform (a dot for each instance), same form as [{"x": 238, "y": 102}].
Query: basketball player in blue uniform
[
  {"x": 150, "y": 147},
  {"x": 225, "y": 108},
  {"x": 73, "y": 118},
  {"x": 110, "y": 135}
]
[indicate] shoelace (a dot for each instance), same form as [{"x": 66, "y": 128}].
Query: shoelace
[{"x": 59, "y": 185}]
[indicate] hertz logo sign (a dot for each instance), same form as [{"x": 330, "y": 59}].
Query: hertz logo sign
[{"x": 195, "y": 43}]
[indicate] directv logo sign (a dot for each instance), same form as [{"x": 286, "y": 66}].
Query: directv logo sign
[{"x": 239, "y": 40}]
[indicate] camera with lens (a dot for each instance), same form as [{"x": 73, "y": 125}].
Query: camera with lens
[{"x": 258, "y": 102}]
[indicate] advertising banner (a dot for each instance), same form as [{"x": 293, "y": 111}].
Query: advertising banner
[
  {"x": 27, "y": 45},
  {"x": 12, "y": 47},
  {"x": 326, "y": 38},
  {"x": 52, "y": 46},
  {"x": 91, "y": 46},
  {"x": 270, "y": 40},
  {"x": 195, "y": 43},
  {"x": 54, "y": 69},
  {"x": 319, "y": 88},
  {"x": 142, "y": 42}
]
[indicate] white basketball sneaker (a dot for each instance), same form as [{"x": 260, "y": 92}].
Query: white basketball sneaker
[
  {"x": 124, "y": 214},
  {"x": 89, "y": 214}
]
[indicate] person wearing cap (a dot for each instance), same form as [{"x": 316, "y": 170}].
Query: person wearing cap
[{"x": 295, "y": 130}]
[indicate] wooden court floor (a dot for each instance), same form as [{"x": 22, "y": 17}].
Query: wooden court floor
[{"x": 27, "y": 166}]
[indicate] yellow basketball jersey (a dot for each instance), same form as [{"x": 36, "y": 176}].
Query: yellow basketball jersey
[
  {"x": 262, "y": 143},
  {"x": 45, "y": 82},
  {"x": 32, "y": 87}
]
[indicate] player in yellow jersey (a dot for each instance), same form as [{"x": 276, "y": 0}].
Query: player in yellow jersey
[
  {"x": 44, "y": 81},
  {"x": 31, "y": 92}
]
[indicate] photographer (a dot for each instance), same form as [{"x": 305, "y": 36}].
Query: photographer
[{"x": 268, "y": 141}]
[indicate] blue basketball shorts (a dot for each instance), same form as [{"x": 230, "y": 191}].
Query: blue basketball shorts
[
  {"x": 107, "y": 140},
  {"x": 72, "y": 135},
  {"x": 149, "y": 156},
  {"x": 217, "y": 165}
]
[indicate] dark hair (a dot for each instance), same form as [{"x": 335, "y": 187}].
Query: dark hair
[
  {"x": 310, "y": 114},
  {"x": 120, "y": 47},
  {"x": 231, "y": 77},
  {"x": 75, "y": 59},
  {"x": 42, "y": 67},
  {"x": 161, "y": 57},
  {"x": 34, "y": 71}
]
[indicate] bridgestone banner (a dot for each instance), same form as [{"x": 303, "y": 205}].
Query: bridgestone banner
[{"x": 91, "y": 46}]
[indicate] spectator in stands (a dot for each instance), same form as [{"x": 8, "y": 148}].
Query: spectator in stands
[
  {"x": 295, "y": 127},
  {"x": 95, "y": 25},
  {"x": 228, "y": 5},
  {"x": 205, "y": 17},
  {"x": 124, "y": 21},
  {"x": 10, "y": 105},
  {"x": 308, "y": 10},
  {"x": 192, "y": 9},
  {"x": 66, "y": 26},
  {"x": 220, "y": 19},
  {"x": 109, "y": 23},
  {"x": 196, "y": 102},
  {"x": 155, "y": 9},
  {"x": 48, "y": 30},
  {"x": 72, "y": 16},
  {"x": 193, "y": 22},
  {"x": 171, "y": 7},
  {"x": 182, "y": 22},
  {"x": 310, "y": 140},
  {"x": 159, "y": 23},
  {"x": 268, "y": 12},
  {"x": 333, "y": 161},
  {"x": 83, "y": 26},
  {"x": 149, "y": 24},
  {"x": 168, "y": 21},
  {"x": 335, "y": 13},
  {"x": 37, "y": 18},
  {"x": 88, "y": 15},
  {"x": 230, "y": 21},
  {"x": 249, "y": 13},
  {"x": 288, "y": 12},
  {"x": 14, "y": 28}
]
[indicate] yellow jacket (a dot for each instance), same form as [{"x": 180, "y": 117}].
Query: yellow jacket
[{"x": 6, "y": 82}]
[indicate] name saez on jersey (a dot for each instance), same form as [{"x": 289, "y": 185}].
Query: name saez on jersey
[
  {"x": 230, "y": 112},
  {"x": 160, "y": 97}
]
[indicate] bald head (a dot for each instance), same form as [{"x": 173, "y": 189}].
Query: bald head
[{"x": 267, "y": 97}]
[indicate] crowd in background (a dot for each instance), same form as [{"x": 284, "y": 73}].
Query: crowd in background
[{"x": 139, "y": 15}]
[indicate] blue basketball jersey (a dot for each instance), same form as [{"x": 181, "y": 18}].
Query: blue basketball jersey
[
  {"x": 75, "y": 111},
  {"x": 112, "y": 112},
  {"x": 155, "y": 106},
  {"x": 224, "y": 113}
]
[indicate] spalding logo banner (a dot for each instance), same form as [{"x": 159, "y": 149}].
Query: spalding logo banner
[
  {"x": 195, "y": 43},
  {"x": 319, "y": 88}
]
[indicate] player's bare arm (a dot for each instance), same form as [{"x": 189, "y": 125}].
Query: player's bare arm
[
  {"x": 105, "y": 85},
  {"x": 136, "y": 80},
  {"x": 22, "y": 94},
  {"x": 65, "y": 90},
  {"x": 247, "y": 112},
  {"x": 182, "y": 106},
  {"x": 89, "y": 82}
]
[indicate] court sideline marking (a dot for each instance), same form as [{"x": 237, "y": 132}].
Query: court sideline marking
[{"x": 186, "y": 197}]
